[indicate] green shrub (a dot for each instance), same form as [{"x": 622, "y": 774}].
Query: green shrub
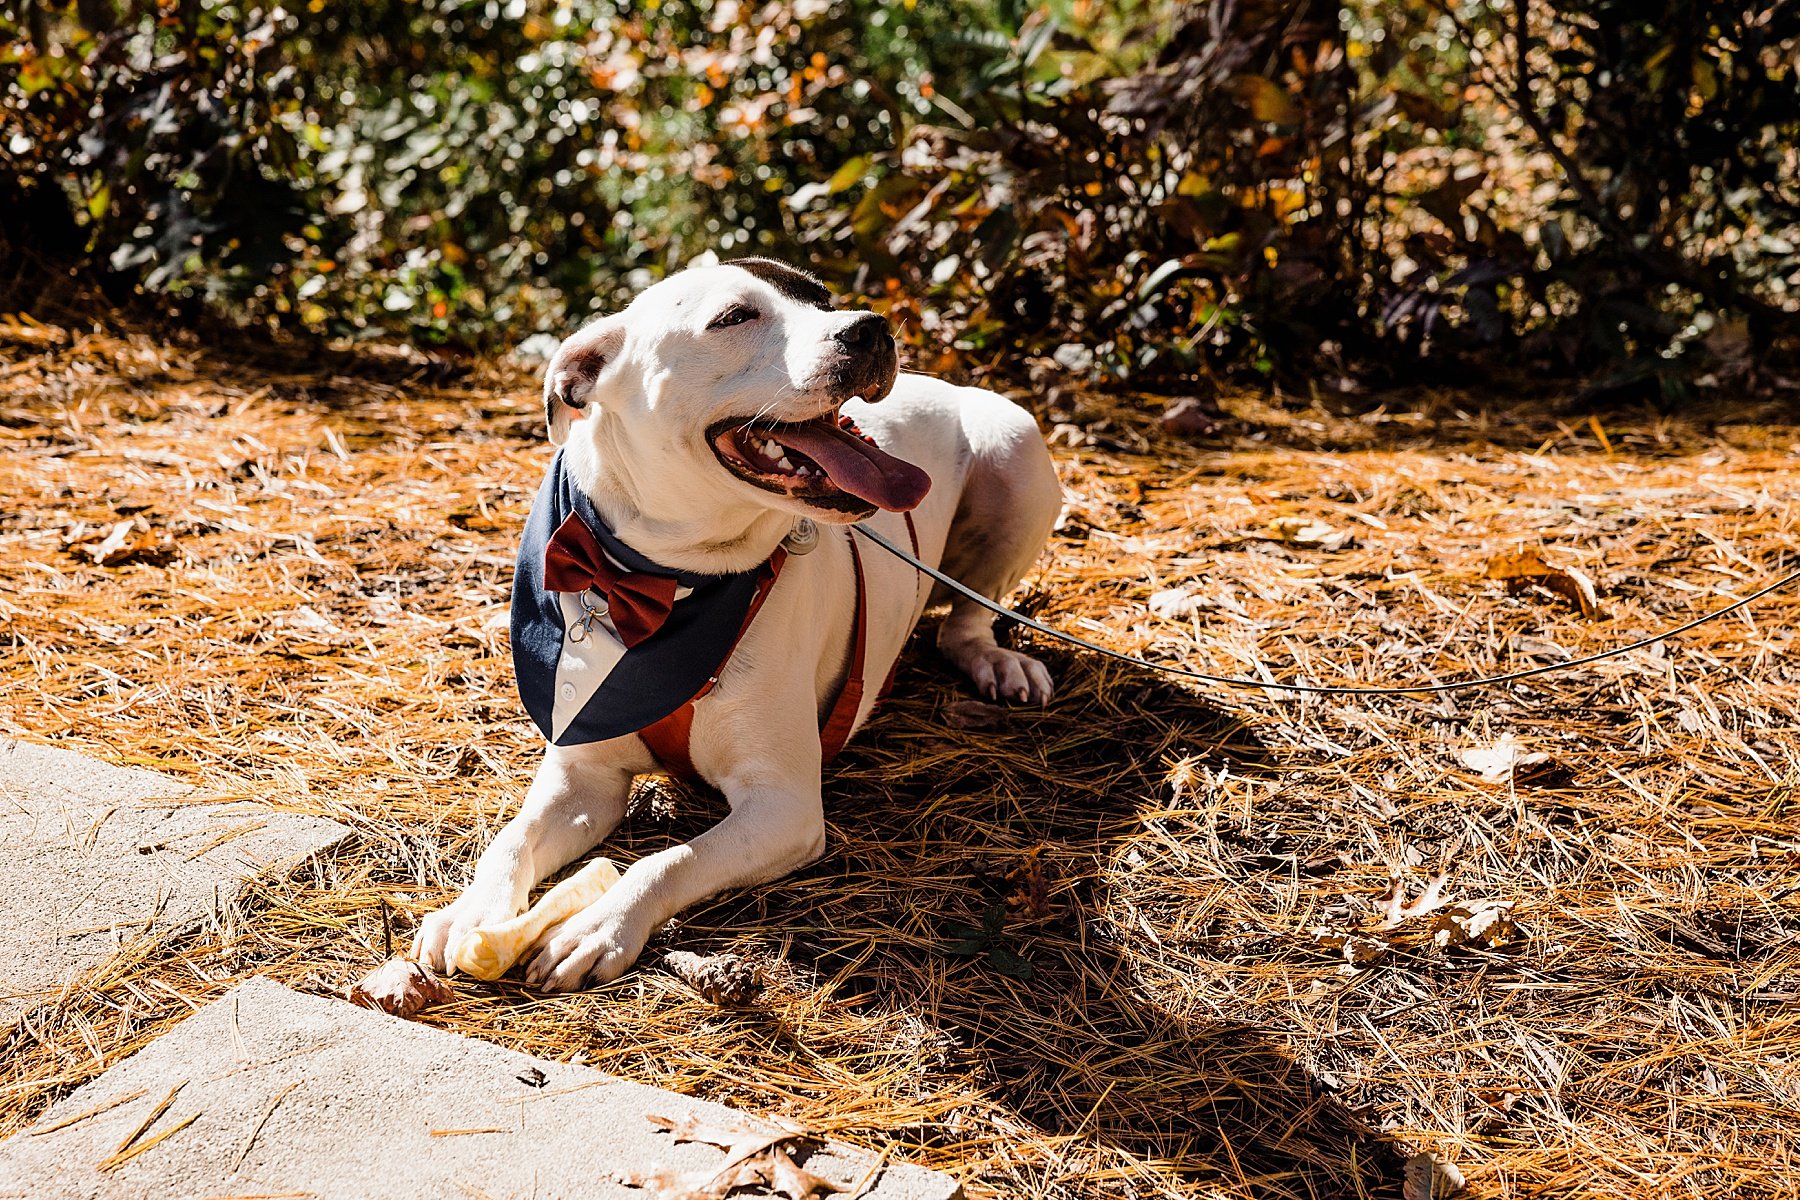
[{"x": 1128, "y": 192}]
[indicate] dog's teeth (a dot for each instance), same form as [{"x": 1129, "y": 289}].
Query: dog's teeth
[{"x": 784, "y": 464}]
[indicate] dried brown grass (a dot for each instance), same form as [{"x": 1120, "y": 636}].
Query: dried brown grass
[{"x": 315, "y": 622}]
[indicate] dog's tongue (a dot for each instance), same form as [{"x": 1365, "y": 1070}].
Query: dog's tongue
[{"x": 859, "y": 467}]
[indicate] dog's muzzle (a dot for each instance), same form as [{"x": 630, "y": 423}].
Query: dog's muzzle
[
  {"x": 867, "y": 360},
  {"x": 826, "y": 462}
]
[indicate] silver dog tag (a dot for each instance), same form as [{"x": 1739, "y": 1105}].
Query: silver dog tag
[{"x": 803, "y": 537}]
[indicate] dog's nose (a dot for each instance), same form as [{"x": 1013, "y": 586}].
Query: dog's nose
[{"x": 863, "y": 334}]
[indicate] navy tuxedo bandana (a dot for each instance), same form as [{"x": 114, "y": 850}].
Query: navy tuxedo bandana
[{"x": 578, "y": 679}]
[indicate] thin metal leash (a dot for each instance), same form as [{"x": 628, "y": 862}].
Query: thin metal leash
[{"x": 1315, "y": 689}]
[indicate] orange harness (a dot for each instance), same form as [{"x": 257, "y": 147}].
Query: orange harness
[{"x": 668, "y": 738}]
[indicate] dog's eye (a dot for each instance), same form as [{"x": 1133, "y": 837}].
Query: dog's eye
[{"x": 737, "y": 314}]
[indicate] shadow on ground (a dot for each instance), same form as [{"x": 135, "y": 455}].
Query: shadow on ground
[{"x": 968, "y": 886}]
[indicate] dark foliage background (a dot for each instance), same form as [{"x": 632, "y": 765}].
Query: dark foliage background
[{"x": 1135, "y": 194}]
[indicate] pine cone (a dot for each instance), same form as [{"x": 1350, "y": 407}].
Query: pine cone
[{"x": 720, "y": 978}]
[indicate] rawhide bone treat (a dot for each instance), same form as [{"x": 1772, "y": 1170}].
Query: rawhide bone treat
[{"x": 488, "y": 951}]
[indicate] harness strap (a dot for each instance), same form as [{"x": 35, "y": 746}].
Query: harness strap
[
  {"x": 842, "y": 719},
  {"x": 668, "y": 738},
  {"x": 887, "y": 685}
]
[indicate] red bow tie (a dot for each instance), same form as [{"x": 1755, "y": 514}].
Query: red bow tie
[{"x": 637, "y": 603}]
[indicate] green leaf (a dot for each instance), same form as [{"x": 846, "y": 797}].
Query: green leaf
[
  {"x": 1266, "y": 99},
  {"x": 848, "y": 175},
  {"x": 1008, "y": 963},
  {"x": 1153, "y": 286},
  {"x": 1035, "y": 35}
]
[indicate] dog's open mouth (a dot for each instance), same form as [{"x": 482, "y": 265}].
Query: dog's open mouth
[{"x": 820, "y": 462}]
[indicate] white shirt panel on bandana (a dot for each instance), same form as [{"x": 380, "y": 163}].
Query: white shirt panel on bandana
[
  {"x": 588, "y": 654},
  {"x": 588, "y": 657}
]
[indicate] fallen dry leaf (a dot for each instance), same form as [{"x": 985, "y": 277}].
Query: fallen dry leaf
[
  {"x": 1527, "y": 568},
  {"x": 306, "y": 625},
  {"x": 128, "y": 541},
  {"x": 1305, "y": 531},
  {"x": 754, "y": 1156},
  {"x": 1396, "y": 908},
  {"x": 1030, "y": 886},
  {"x": 1427, "y": 921},
  {"x": 1488, "y": 925},
  {"x": 974, "y": 714},
  {"x": 737, "y": 1135},
  {"x": 772, "y": 1169},
  {"x": 401, "y": 987},
  {"x": 1498, "y": 1099},
  {"x": 1358, "y": 949},
  {"x": 1429, "y": 1177},
  {"x": 1192, "y": 417},
  {"x": 790, "y": 1179},
  {"x": 1499, "y": 762},
  {"x": 666, "y": 1183},
  {"x": 1530, "y": 647}
]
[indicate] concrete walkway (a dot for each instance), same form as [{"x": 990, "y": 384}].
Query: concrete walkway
[
  {"x": 268, "y": 1092},
  {"x": 97, "y": 856},
  {"x": 283, "y": 1094}
]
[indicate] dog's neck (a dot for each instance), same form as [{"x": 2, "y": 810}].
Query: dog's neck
[{"x": 712, "y": 541}]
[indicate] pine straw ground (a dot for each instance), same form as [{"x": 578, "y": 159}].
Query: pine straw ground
[{"x": 312, "y": 613}]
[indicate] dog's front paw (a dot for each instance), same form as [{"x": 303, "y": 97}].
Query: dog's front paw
[
  {"x": 1006, "y": 674},
  {"x": 594, "y": 946},
  {"x": 442, "y": 930}
]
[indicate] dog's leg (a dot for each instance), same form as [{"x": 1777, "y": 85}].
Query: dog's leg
[
  {"x": 576, "y": 799},
  {"x": 776, "y": 825},
  {"x": 1008, "y": 507},
  {"x": 966, "y": 638}
]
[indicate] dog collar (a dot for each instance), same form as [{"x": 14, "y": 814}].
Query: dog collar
[{"x": 578, "y": 679}]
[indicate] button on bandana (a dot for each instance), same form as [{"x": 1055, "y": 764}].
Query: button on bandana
[{"x": 605, "y": 658}]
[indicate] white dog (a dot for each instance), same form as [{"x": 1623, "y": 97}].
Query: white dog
[{"x": 704, "y": 623}]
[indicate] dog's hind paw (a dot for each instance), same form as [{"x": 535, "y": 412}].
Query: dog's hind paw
[{"x": 1002, "y": 674}]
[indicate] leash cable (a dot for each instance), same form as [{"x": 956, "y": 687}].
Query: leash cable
[{"x": 1314, "y": 689}]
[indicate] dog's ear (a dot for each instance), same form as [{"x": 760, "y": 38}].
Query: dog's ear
[{"x": 572, "y": 378}]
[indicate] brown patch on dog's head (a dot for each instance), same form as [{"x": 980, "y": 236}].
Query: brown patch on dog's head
[{"x": 799, "y": 286}]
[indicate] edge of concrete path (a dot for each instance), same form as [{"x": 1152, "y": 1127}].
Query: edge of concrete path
[
  {"x": 287, "y": 1092},
  {"x": 102, "y": 856}
]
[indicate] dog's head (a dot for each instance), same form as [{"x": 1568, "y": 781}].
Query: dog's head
[{"x": 727, "y": 381}]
